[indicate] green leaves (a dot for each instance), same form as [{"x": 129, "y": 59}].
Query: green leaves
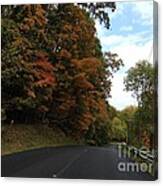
[
  {"x": 99, "y": 11},
  {"x": 140, "y": 81},
  {"x": 118, "y": 130}
]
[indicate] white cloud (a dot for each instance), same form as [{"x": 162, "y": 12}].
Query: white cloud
[
  {"x": 123, "y": 40},
  {"x": 111, "y": 40},
  {"x": 120, "y": 98},
  {"x": 118, "y": 11},
  {"x": 130, "y": 54},
  {"x": 144, "y": 9},
  {"x": 126, "y": 28},
  {"x": 131, "y": 47}
]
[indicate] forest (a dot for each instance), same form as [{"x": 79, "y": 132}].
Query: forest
[{"x": 55, "y": 74}]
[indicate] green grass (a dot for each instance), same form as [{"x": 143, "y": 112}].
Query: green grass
[{"x": 25, "y": 137}]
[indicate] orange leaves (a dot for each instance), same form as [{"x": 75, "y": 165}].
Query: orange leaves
[
  {"x": 29, "y": 22},
  {"x": 64, "y": 54},
  {"x": 43, "y": 71},
  {"x": 67, "y": 28},
  {"x": 95, "y": 112},
  {"x": 85, "y": 74},
  {"x": 89, "y": 75},
  {"x": 86, "y": 120},
  {"x": 40, "y": 15},
  {"x": 76, "y": 64},
  {"x": 68, "y": 86},
  {"x": 67, "y": 104},
  {"x": 102, "y": 112},
  {"x": 47, "y": 80},
  {"x": 97, "y": 107},
  {"x": 81, "y": 82},
  {"x": 90, "y": 102},
  {"x": 88, "y": 65},
  {"x": 34, "y": 15},
  {"x": 42, "y": 80},
  {"x": 74, "y": 37},
  {"x": 75, "y": 32}
]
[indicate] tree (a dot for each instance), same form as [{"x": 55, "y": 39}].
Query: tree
[
  {"x": 83, "y": 72},
  {"x": 128, "y": 116},
  {"x": 141, "y": 81},
  {"x": 118, "y": 130},
  {"x": 23, "y": 38},
  {"x": 99, "y": 11},
  {"x": 55, "y": 71}
]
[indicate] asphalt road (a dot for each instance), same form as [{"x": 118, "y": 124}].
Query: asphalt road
[{"x": 78, "y": 162}]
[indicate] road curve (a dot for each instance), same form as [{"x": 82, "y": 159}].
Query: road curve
[{"x": 78, "y": 162}]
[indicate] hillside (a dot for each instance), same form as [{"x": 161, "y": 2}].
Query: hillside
[{"x": 24, "y": 137}]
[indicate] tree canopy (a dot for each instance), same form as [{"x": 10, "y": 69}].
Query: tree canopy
[
  {"x": 140, "y": 81},
  {"x": 53, "y": 68}
]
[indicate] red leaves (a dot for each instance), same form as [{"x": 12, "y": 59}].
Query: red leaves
[
  {"x": 47, "y": 80},
  {"x": 72, "y": 84},
  {"x": 43, "y": 72}
]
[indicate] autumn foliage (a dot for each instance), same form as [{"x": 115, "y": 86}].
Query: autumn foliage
[{"x": 53, "y": 69}]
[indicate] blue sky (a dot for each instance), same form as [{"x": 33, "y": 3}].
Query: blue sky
[{"x": 131, "y": 37}]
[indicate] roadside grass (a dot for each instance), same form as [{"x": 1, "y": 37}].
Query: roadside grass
[{"x": 21, "y": 137}]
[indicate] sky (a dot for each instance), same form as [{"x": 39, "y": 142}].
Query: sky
[{"x": 131, "y": 37}]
